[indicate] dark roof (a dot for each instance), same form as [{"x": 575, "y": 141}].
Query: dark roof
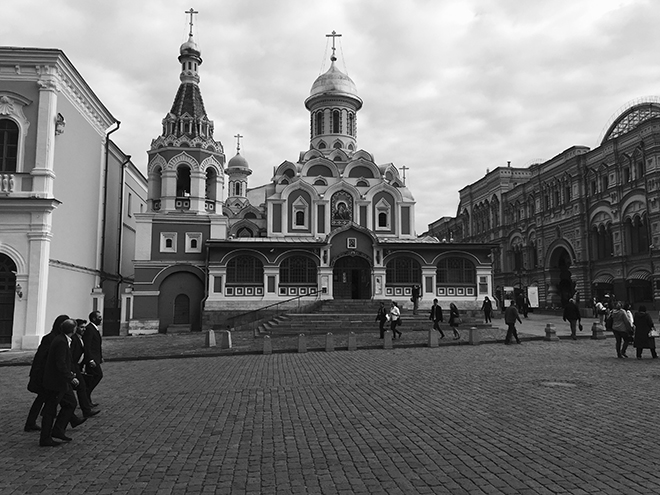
[{"x": 188, "y": 100}]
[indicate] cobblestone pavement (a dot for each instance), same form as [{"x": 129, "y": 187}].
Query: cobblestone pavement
[{"x": 541, "y": 417}]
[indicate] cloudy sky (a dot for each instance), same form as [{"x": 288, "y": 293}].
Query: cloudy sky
[{"x": 450, "y": 87}]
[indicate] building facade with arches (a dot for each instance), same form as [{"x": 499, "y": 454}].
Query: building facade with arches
[
  {"x": 584, "y": 224},
  {"x": 332, "y": 224},
  {"x": 67, "y": 198}
]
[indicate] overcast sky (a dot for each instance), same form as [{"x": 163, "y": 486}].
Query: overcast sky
[{"x": 450, "y": 87}]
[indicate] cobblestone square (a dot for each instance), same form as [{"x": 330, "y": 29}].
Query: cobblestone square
[{"x": 542, "y": 417}]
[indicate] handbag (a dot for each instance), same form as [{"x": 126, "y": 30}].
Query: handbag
[
  {"x": 654, "y": 333},
  {"x": 580, "y": 326}
]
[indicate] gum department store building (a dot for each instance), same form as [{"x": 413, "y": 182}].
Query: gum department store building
[
  {"x": 585, "y": 223},
  {"x": 334, "y": 223}
]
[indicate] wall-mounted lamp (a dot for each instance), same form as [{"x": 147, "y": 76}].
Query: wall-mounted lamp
[
  {"x": 60, "y": 124},
  {"x": 19, "y": 291}
]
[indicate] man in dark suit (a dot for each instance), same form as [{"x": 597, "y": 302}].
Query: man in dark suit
[
  {"x": 436, "y": 317},
  {"x": 93, "y": 353},
  {"x": 78, "y": 360},
  {"x": 58, "y": 382}
]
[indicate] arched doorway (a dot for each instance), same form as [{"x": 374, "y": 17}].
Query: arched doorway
[
  {"x": 351, "y": 278},
  {"x": 181, "y": 310},
  {"x": 561, "y": 286},
  {"x": 7, "y": 298},
  {"x": 180, "y": 301}
]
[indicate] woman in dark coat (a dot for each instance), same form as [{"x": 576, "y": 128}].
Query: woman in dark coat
[
  {"x": 487, "y": 308},
  {"x": 454, "y": 317},
  {"x": 643, "y": 325}
]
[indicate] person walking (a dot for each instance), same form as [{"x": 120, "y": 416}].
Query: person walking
[
  {"x": 572, "y": 315},
  {"x": 58, "y": 382},
  {"x": 487, "y": 308},
  {"x": 436, "y": 317},
  {"x": 93, "y": 353},
  {"x": 454, "y": 320},
  {"x": 78, "y": 358},
  {"x": 35, "y": 384},
  {"x": 644, "y": 325},
  {"x": 416, "y": 295},
  {"x": 395, "y": 315},
  {"x": 510, "y": 317},
  {"x": 621, "y": 327},
  {"x": 381, "y": 318}
]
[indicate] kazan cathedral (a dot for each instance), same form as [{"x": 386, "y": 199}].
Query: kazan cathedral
[{"x": 332, "y": 225}]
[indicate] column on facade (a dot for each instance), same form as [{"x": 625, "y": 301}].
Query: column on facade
[
  {"x": 197, "y": 191},
  {"x": 428, "y": 283},
  {"x": 379, "y": 282},
  {"x": 45, "y": 147},
  {"x": 37, "y": 288},
  {"x": 325, "y": 282},
  {"x": 168, "y": 190},
  {"x": 271, "y": 272}
]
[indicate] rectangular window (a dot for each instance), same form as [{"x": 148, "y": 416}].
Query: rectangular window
[
  {"x": 129, "y": 205},
  {"x": 217, "y": 283},
  {"x": 483, "y": 285},
  {"x": 193, "y": 242},
  {"x": 168, "y": 242}
]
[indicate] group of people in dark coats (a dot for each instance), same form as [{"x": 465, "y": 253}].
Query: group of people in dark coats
[
  {"x": 68, "y": 358},
  {"x": 630, "y": 329}
]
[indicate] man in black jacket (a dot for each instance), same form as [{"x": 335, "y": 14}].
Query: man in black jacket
[
  {"x": 78, "y": 360},
  {"x": 58, "y": 382},
  {"x": 436, "y": 317},
  {"x": 572, "y": 315},
  {"x": 93, "y": 353}
]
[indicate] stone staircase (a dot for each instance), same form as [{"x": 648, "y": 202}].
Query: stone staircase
[{"x": 346, "y": 315}]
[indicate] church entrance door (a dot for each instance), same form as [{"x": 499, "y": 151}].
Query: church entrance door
[{"x": 351, "y": 278}]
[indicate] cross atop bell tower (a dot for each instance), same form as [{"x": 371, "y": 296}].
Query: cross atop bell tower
[
  {"x": 191, "y": 12},
  {"x": 333, "y": 35}
]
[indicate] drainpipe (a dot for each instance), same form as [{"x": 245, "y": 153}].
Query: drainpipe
[
  {"x": 105, "y": 200},
  {"x": 120, "y": 229}
]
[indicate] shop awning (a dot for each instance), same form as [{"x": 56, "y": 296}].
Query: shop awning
[
  {"x": 603, "y": 279},
  {"x": 639, "y": 276}
]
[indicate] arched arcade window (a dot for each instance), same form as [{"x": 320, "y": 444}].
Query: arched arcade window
[
  {"x": 403, "y": 270},
  {"x": 245, "y": 269},
  {"x": 298, "y": 270},
  {"x": 456, "y": 271}
]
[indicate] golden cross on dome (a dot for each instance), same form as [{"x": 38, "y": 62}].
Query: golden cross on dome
[
  {"x": 191, "y": 12},
  {"x": 404, "y": 168},
  {"x": 333, "y": 35},
  {"x": 238, "y": 142}
]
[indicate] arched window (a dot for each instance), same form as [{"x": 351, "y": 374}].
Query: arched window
[
  {"x": 210, "y": 186},
  {"x": 455, "y": 271},
  {"x": 298, "y": 270},
  {"x": 237, "y": 188},
  {"x": 245, "y": 269},
  {"x": 403, "y": 270},
  {"x": 318, "y": 126},
  {"x": 8, "y": 145},
  {"x": 351, "y": 124},
  {"x": 183, "y": 181},
  {"x": 335, "y": 122}
]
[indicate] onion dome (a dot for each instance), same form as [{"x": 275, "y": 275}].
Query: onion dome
[
  {"x": 189, "y": 48},
  {"x": 333, "y": 81},
  {"x": 238, "y": 163}
]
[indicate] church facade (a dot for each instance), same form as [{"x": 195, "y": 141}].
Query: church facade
[{"x": 332, "y": 224}]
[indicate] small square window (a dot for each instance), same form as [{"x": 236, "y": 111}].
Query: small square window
[
  {"x": 193, "y": 242},
  {"x": 351, "y": 243},
  {"x": 168, "y": 242}
]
